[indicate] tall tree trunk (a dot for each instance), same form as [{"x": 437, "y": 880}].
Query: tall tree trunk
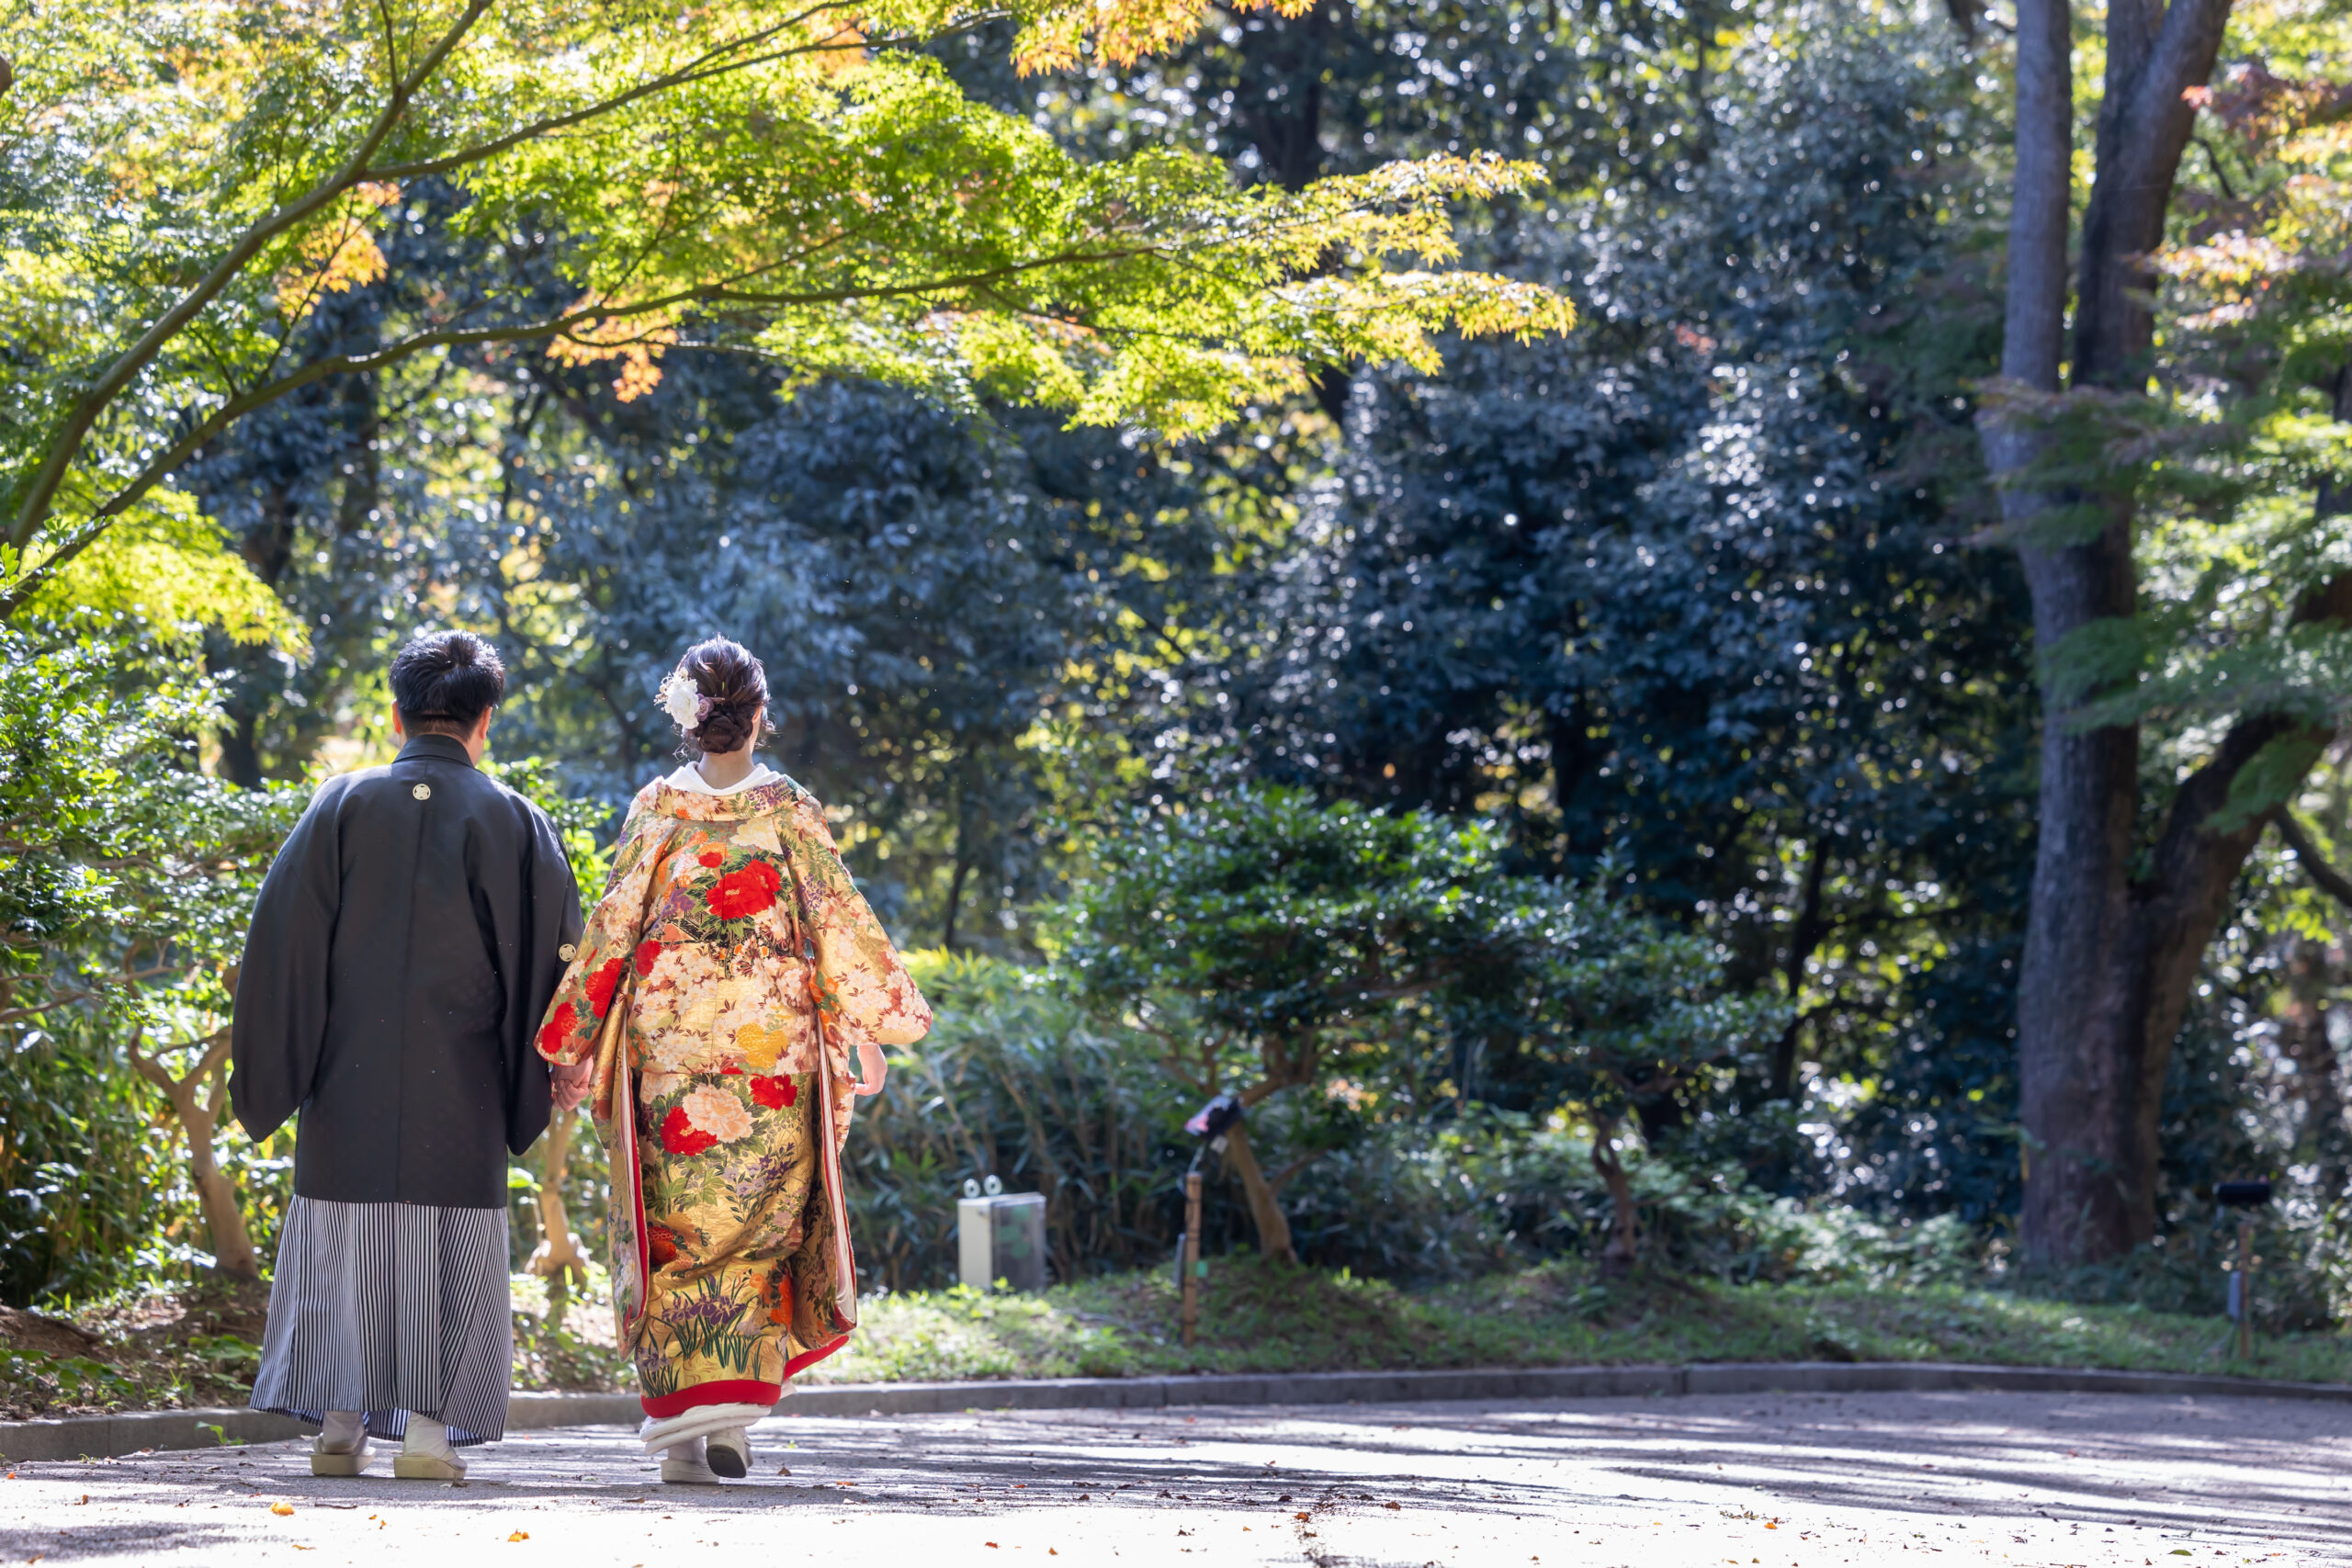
[
  {"x": 268, "y": 550},
  {"x": 241, "y": 749},
  {"x": 1805, "y": 937},
  {"x": 2108, "y": 960},
  {"x": 1265, "y": 1203},
  {"x": 2302, "y": 1034},
  {"x": 955, "y": 894}
]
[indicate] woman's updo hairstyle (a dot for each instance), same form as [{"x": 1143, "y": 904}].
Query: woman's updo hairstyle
[{"x": 719, "y": 697}]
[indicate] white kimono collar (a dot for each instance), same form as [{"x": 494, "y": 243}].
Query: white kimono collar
[{"x": 691, "y": 781}]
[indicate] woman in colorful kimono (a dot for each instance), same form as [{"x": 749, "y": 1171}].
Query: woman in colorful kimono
[{"x": 710, "y": 1016}]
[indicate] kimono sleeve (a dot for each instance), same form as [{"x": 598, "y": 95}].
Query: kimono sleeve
[
  {"x": 609, "y": 945},
  {"x": 546, "y": 933},
  {"x": 278, "y": 1027},
  {"x": 861, "y": 983}
]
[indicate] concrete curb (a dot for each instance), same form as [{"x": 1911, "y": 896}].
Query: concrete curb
[{"x": 98, "y": 1436}]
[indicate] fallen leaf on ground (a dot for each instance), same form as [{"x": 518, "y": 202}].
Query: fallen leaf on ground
[
  {"x": 1392, "y": 1505},
  {"x": 784, "y": 1470},
  {"x": 520, "y": 1535},
  {"x": 281, "y": 1509}
]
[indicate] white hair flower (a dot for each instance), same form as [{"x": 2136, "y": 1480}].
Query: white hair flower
[{"x": 686, "y": 707}]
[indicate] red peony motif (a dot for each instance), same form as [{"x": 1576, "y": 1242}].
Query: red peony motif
[
  {"x": 647, "y": 951},
  {"x": 661, "y": 1244},
  {"x": 712, "y": 857},
  {"x": 730, "y": 1071},
  {"x": 775, "y": 1094},
  {"x": 744, "y": 892},
  {"x": 601, "y": 985},
  {"x": 680, "y": 1136},
  {"x": 557, "y": 1032}
]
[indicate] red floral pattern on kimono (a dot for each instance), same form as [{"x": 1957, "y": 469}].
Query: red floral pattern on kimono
[{"x": 749, "y": 969}]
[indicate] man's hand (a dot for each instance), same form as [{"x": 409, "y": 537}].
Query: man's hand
[
  {"x": 871, "y": 1068},
  {"x": 570, "y": 1085}
]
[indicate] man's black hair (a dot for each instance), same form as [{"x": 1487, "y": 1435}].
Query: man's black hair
[{"x": 443, "y": 681}]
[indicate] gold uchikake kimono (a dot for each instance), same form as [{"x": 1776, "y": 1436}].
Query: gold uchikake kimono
[{"x": 725, "y": 978}]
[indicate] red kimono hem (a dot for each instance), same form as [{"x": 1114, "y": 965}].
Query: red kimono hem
[
  {"x": 811, "y": 1357},
  {"x": 732, "y": 1391}
]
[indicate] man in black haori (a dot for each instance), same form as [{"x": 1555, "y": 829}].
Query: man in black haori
[{"x": 403, "y": 950}]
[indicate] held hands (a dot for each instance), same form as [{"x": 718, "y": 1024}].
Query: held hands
[
  {"x": 871, "y": 1068},
  {"x": 570, "y": 1085}
]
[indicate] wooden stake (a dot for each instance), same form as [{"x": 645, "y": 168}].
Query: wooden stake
[{"x": 1191, "y": 1309}]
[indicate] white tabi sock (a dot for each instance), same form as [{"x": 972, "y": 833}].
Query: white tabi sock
[
  {"x": 341, "y": 1432},
  {"x": 427, "y": 1435},
  {"x": 688, "y": 1452},
  {"x": 658, "y": 1435}
]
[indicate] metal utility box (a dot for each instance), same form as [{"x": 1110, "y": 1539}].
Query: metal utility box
[{"x": 1003, "y": 1236}]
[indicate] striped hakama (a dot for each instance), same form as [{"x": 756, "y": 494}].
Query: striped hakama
[{"x": 390, "y": 1309}]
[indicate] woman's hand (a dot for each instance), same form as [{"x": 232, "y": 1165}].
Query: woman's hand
[
  {"x": 570, "y": 1085},
  {"x": 871, "y": 1068}
]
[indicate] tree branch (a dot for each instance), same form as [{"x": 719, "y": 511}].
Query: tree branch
[
  {"x": 2325, "y": 877},
  {"x": 84, "y": 415},
  {"x": 1281, "y": 1178},
  {"x": 161, "y": 466},
  {"x": 693, "y": 72}
]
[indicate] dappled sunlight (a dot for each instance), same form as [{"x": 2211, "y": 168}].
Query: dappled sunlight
[{"x": 1809, "y": 1480}]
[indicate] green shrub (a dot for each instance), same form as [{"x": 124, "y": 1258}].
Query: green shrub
[{"x": 1014, "y": 1082}]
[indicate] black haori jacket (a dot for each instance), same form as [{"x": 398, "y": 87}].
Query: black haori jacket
[{"x": 403, "y": 950}]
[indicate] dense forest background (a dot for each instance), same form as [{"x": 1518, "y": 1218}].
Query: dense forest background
[{"x": 1701, "y": 609}]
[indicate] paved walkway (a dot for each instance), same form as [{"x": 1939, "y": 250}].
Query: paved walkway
[{"x": 1628, "y": 1484}]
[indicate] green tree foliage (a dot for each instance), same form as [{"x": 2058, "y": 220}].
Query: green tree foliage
[
  {"x": 1688, "y": 590},
  {"x": 2167, "y": 476},
  {"x": 185, "y": 183},
  {"x": 1267, "y": 943},
  {"x": 1683, "y": 619},
  {"x": 916, "y": 582},
  {"x": 124, "y": 886},
  {"x": 1015, "y": 1081},
  {"x": 1564, "y": 527}
]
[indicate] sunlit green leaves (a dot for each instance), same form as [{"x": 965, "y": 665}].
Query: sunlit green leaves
[
  {"x": 1312, "y": 937},
  {"x": 182, "y": 184}
]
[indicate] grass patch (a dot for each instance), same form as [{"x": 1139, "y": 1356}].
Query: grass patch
[
  {"x": 200, "y": 1346},
  {"x": 1257, "y": 1317}
]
